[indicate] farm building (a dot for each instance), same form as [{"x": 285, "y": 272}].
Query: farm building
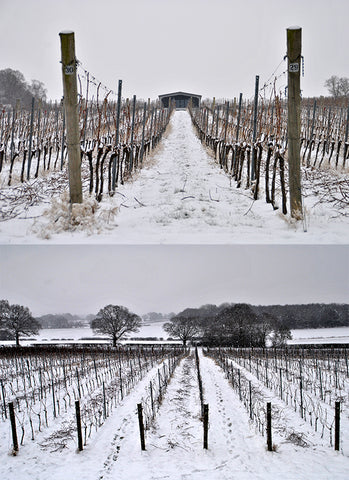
[{"x": 180, "y": 98}]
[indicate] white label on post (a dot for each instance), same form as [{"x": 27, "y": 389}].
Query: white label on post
[
  {"x": 69, "y": 70},
  {"x": 294, "y": 67}
]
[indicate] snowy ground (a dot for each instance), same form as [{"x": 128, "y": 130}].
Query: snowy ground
[
  {"x": 174, "y": 445},
  {"x": 155, "y": 330},
  {"x": 180, "y": 196}
]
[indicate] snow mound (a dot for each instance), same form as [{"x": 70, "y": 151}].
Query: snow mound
[{"x": 89, "y": 217}]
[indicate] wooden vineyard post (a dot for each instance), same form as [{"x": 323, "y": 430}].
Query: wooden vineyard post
[
  {"x": 104, "y": 402},
  {"x": 238, "y": 119},
  {"x": 143, "y": 131},
  {"x": 69, "y": 63},
  {"x": 254, "y": 134},
  {"x": 78, "y": 424},
  {"x": 3, "y": 397},
  {"x": 141, "y": 425},
  {"x": 337, "y": 425},
  {"x": 30, "y": 139},
  {"x": 132, "y": 131},
  {"x": 269, "y": 435},
  {"x": 346, "y": 139},
  {"x": 13, "y": 426},
  {"x": 206, "y": 426},
  {"x": 294, "y": 47}
]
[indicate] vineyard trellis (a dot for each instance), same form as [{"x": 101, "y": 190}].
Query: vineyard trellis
[
  {"x": 116, "y": 135},
  {"x": 44, "y": 383},
  {"x": 312, "y": 382},
  {"x": 251, "y": 144}
]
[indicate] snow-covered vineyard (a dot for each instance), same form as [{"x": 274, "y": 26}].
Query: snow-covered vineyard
[
  {"x": 181, "y": 195},
  {"x": 45, "y": 386}
]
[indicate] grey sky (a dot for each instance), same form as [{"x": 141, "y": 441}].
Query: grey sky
[
  {"x": 83, "y": 279},
  {"x": 210, "y": 47}
]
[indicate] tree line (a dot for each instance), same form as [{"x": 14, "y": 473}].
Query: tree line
[
  {"x": 14, "y": 87},
  {"x": 235, "y": 325},
  {"x": 243, "y": 325}
]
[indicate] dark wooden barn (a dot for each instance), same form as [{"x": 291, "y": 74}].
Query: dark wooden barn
[{"x": 181, "y": 99}]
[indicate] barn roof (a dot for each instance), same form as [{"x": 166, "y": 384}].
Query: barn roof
[{"x": 179, "y": 93}]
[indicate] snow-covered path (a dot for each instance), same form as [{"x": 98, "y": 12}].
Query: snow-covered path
[
  {"x": 174, "y": 445},
  {"x": 180, "y": 196},
  {"x": 183, "y": 196},
  {"x": 236, "y": 451},
  {"x": 242, "y": 453}
]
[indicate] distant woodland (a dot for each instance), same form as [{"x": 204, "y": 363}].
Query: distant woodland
[
  {"x": 62, "y": 320},
  {"x": 314, "y": 315}
]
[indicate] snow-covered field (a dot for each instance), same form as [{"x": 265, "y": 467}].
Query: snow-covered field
[
  {"x": 65, "y": 335},
  {"x": 180, "y": 196},
  {"x": 174, "y": 444},
  {"x": 320, "y": 335}
]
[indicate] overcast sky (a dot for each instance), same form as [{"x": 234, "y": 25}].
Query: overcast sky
[
  {"x": 208, "y": 47},
  {"x": 83, "y": 279}
]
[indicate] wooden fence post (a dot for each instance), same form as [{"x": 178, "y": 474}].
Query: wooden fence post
[
  {"x": 294, "y": 46},
  {"x": 206, "y": 426},
  {"x": 13, "y": 426},
  {"x": 78, "y": 424},
  {"x": 269, "y": 435},
  {"x": 337, "y": 425},
  {"x": 141, "y": 425},
  {"x": 69, "y": 63}
]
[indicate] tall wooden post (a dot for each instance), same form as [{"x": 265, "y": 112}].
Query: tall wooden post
[
  {"x": 141, "y": 425},
  {"x": 205, "y": 426},
  {"x": 269, "y": 434},
  {"x": 13, "y": 426},
  {"x": 132, "y": 130},
  {"x": 143, "y": 130},
  {"x": 238, "y": 119},
  {"x": 78, "y": 425},
  {"x": 30, "y": 139},
  {"x": 254, "y": 134},
  {"x": 294, "y": 47},
  {"x": 118, "y": 110},
  {"x": 337, "y": 425},
  {"x": 71, "y": 113}
]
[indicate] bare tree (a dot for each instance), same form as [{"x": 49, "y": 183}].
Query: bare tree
[
  {"x": 184, "y": 328},
  {"x": 337, "y": 87},
  {"x": 115, "y": 321},
  {"x": 18, "y": 321},
  {"x": 38, "y": 90}
]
